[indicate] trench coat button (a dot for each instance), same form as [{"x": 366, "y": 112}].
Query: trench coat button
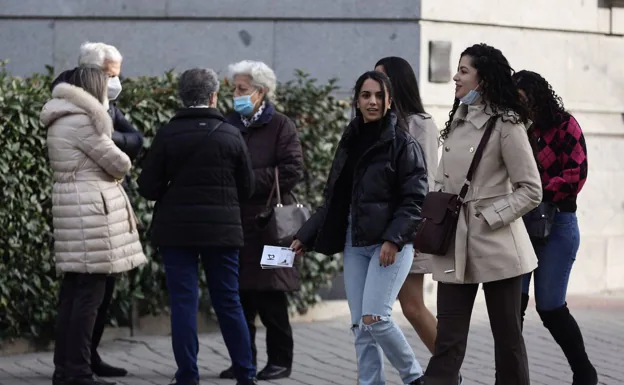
[
  {"x": 446, "y": 175},
  {"x": 471, "y": 149},
  {"x": 447, "y": 149}
]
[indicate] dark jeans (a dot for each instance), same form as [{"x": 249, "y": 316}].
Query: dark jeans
[
  {"x": 455, "y": 303},
  {"x": 272, "y": 307},
  {"x": 555, "y": 260},
  {"x": 79, "y": 299},
  {"x": 221, "y": 269},
  {"x": 100, "y": 320}
]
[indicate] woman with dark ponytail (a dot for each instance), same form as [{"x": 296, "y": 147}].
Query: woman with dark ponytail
[
  {"x": 423, "y": 128},
  {"x": 491, "y": 245},
  {"x": 561, "y": 153}
]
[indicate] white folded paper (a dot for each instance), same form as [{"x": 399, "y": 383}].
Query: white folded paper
[{"x": 274, "y": 257}]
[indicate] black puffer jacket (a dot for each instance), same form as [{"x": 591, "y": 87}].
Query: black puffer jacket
[
  {"x": 197, "y": 181},
  {"x": 388, "y": 189}
]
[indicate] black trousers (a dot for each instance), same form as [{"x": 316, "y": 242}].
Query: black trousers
[
  {"x": 102, "y": 317},
  {"x": 455, "y": 303},
  {"x": 272, "y": 307},
  {"x": 79, "y": 299}
]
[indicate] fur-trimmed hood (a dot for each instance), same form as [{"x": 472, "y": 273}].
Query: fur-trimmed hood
[{"x": 71, "y": 100}]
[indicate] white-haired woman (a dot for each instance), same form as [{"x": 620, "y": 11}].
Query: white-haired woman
[
  {"x": 273, "y": 144},
  {"x": 129, "y": 140}
]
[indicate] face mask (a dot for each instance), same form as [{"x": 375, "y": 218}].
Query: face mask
[
  {"x": 114, "y": 88},
  {"x": 243, "y": 104},
  {"x": 470, "y": 97}
]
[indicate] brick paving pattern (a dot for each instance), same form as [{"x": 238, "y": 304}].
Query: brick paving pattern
[{"x": 324, "y": 354}]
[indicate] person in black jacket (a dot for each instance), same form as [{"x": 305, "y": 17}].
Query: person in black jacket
[
  {"x": 373, "y": 199},
  {"x": 198, "y": 171},
  {"x": 129, "y": 140}
]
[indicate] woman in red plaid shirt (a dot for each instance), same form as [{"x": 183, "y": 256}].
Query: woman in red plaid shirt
[{"x": 561, "y": 156}]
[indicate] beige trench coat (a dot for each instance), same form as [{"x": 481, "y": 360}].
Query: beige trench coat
[{"x": 491, "y": 242}]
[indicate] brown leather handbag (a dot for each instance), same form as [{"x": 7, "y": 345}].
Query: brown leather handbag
[{"x": 440, "y": 210}]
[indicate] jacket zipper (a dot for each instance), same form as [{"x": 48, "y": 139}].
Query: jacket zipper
[{"x": 355, "y": 182}]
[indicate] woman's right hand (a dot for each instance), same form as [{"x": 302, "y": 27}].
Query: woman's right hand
[{"x": 297, "y": 247}]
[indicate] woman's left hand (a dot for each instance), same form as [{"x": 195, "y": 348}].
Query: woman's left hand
[{"x": 387, "y": 255}]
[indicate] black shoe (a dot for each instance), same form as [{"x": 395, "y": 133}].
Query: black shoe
[
  {"x": 418, "y": 381},
  {"x": 58, "y": 378},
  {"x": 228, "y": 373},
  {"x": 566, "y": 332},
  {"x": 251, "y": 381},
  {"x": 105, "y": 370},
  {"x": 273, "y": 372}
]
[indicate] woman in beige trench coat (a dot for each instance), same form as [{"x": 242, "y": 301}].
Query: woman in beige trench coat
[{"x": 491, "y": 245}]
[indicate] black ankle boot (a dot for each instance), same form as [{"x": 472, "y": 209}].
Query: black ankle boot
[
  {"x": 524, "y": 303},
  {"x": 564, "y": 329}
]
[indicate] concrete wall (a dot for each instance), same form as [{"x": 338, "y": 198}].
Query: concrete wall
[
  {"x": 325, "y": 38},
  {"x": 576, "y": 46}
]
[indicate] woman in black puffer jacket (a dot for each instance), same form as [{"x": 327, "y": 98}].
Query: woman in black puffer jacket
[{"x": 373, "y": 198}]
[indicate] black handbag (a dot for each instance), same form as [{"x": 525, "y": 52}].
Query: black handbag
[
  {"x": 280, "y": 223},
  {"x": 539, "y": 221}
]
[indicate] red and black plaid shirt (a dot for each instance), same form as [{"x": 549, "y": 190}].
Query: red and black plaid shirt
[{"x": 562, "y": 159}]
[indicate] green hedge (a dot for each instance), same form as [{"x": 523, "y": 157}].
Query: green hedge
[{"x": 28, "y": 281}]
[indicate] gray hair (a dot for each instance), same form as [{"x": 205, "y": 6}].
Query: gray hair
[
  {"x": 262, "y": 76},
  {"x": 197, "y": 85},
  {"x": 95, "y": 54}
]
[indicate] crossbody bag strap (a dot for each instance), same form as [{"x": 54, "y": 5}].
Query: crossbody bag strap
[
  {"x": 194, "y": 152},
  {"x": 477, "y": 157}
]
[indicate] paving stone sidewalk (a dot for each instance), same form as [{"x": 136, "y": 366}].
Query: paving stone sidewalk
[{"x": 324, "y": 353}]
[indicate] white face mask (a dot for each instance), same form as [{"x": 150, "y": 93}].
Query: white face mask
[{"x": 114, "y": 88}]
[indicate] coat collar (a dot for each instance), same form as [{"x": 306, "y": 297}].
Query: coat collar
[
  {"x": 267, "y": 115},
  {"x": 478, "y": 114},
  {"x": 198, "y": 113},
  {"x": 68, "y": 99},
  {"x": 388, "y": 132}
]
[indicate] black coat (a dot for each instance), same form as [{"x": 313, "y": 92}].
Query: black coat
[
  {"x": 125, "y": 136},
  {"x": 197, "y": 181},
  {"x": 272, "y": 141},
  {"x": 388, "y": 190}
]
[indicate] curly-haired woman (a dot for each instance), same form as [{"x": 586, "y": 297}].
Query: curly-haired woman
[
  {"x": 562, "y": 160},
  {"x": 491, "y": 246}
]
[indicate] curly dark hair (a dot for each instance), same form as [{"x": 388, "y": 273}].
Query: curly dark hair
[
  {"x": 499, "y": 89},
  {"x": 545, "y": 106}
]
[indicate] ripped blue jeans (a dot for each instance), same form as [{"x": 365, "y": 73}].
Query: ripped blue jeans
[{"x": 371, "y": 291}]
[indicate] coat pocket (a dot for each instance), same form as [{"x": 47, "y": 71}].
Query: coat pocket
[{"x": 104, "y": 204}]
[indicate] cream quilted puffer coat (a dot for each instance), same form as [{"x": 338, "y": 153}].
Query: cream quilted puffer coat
[{"x": 95, "y": 229}]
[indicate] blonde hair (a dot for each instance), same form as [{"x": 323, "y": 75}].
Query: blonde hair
[{"x": 95, "y": 54}]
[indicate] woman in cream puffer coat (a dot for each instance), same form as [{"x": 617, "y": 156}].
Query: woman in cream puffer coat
[{"x": 95, "y": 229}]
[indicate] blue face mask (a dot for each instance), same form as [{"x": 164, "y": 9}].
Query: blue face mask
[
  {"x": 243, "y": 104},
  {"x": 470, "y": 97}
]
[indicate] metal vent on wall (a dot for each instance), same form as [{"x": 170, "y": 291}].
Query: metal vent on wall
[
  {"x": 611, "y": 3},
  {"x": 439, "y": 61}
]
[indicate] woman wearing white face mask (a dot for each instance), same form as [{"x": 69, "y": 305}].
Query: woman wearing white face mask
[
  {"x": 274, "y": 146},
  {"x": 491, "y": 245}
]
